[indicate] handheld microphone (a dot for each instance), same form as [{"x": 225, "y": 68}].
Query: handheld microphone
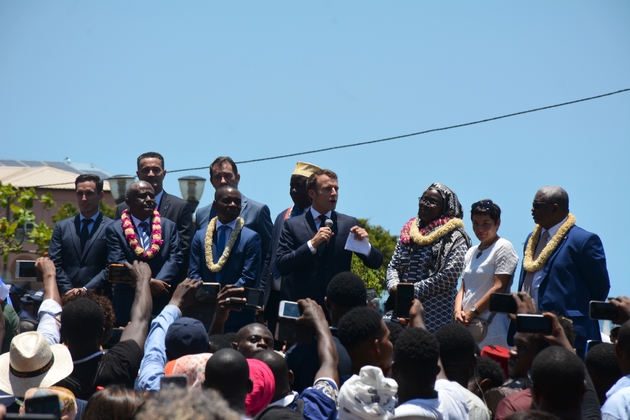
[{"x": 322, "y": 248}]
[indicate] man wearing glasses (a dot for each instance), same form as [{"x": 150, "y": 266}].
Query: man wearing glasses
[{"x": 564, "y": 266}]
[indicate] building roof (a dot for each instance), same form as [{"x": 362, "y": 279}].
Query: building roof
[{"x": 50, "y": 175}]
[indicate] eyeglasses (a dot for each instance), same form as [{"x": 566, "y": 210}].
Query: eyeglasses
[
  {"x": 484, "y": 204},
  {"x": 428, "y": 202},
  {"x": 539, "y": 204}
]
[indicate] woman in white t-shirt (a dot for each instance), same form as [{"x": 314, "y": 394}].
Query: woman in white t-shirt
[{"x": 489, "y": 268}]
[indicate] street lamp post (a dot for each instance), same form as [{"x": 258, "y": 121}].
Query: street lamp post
[
  {"x": 119, "y": 184},
  {"x": 191, "y": 188}
]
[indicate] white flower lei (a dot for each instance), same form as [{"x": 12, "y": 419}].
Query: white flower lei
[
  {"x": 215, "y": 268},
  {"x": 528, "y": 262},
  {"x": 424, "y": 240}
]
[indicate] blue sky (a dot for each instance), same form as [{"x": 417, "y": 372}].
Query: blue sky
[{"x": 102, "y": 82}]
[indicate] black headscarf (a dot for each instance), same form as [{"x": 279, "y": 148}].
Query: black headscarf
[{"x": 452, "y": 207}]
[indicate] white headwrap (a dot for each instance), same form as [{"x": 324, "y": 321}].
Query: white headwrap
[{"x": 368, "y": 395}]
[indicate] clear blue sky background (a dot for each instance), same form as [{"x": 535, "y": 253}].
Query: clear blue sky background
[{"x": 102, "y": 82}]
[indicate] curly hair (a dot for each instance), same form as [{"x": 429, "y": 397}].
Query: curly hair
[
  {"x": 359, "y": 325},
  {"x": 109, "y": 316}
]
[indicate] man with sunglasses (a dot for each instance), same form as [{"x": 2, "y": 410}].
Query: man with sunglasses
[{"x": 564, "y": 266}]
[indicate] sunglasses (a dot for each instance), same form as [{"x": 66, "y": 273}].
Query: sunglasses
[{"x": 484, "y": 204}]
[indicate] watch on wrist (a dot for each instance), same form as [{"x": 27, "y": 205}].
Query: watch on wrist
[{"x": 474, "y": 309}]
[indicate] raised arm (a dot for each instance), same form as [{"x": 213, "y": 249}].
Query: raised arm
[
  {"x": 313, "y": 316},
  {"x": 138, "y": 328}
]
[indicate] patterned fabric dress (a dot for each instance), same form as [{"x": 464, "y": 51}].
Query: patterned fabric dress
[
  {"x": 434, "y": 268},
  {"x": 435, "y": 274}
]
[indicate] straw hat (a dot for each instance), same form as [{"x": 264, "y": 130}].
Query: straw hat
[{"x": 31, "y": 363}]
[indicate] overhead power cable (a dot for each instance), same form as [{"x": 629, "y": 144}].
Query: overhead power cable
[{"x": 450, "y": 127}]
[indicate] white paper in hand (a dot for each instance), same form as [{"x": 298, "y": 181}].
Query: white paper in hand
[{"x": 359, "y": 246}]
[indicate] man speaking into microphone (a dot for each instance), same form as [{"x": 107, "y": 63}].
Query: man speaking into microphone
[{"x": 318, "y": 244}]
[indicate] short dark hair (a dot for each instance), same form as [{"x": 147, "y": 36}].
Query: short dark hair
[
  {"x": 347, "y": 289},
  {"x": 276, "y": 363},
  {"x": 218, "y": 342},
  {"x": 394, "y": 331},
  {"x": 115, "y": 402},
  {"x": 359, "y": 325},
  {"x": 311, "y": 183},
  {"x": 151, "y": 155},
  {"x": 416, "y": 353},
  {"x": 558, "y": 376},
  {"x": 490, "y": 369},
  {"x": 456, "y": 343},
  {"x": 486, "y": 206},
  {"x": 82, "y": 318},
  {"x": 623, "y": 339},
  {"x": 103, "y": 302},
  {"x": 602, "y": 359},
  {"x": 221, "y": 160},
  {"x": 87, "y": 178},
  {"x": 556, "y": 195}
]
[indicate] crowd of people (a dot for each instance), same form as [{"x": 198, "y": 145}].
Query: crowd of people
[{"x": 153, "y": 315}]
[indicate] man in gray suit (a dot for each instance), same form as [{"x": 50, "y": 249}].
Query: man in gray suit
[
  {"x": 257, "y": 217},
  {"x": 78, "y": 247}
]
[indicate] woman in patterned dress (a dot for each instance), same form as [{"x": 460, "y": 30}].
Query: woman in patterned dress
[
  {"x": 430, "y": 253},
  {"x": 489, "y": 268}
]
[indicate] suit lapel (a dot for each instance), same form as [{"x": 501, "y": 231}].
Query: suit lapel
[
  {"x": 165, "y": 204},
  {"x": 76, "y": 239},
  {"x": 310, "y": 222}
]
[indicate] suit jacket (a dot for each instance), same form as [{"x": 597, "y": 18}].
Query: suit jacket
[
  {"x": 165, "y": 266},
  {"x": 256, "y": 215},
  {"x": 574, "y": 275},
  {"x": 241, "y": 269},
  {"x": 179, "y": 212},
  {"x": 305, "y": 274},
  {"x": 75, "y": 268},
  {"x": 269, "y": 265}
]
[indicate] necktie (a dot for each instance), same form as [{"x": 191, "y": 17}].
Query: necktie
[
  {"x": 529, "y": 277},
  {"x": 322, "y": 247},
  {"x": 322, "y": 218},
  {"x": 85, "y": 232},
  {"x": 144, "y": 235},
  {"x": 221, "y": 241}
]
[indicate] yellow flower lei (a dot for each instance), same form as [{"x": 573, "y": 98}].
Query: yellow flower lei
[
  {"x": 215, "y": 268},
  {"x": 424, "y": 240},
  {"x": 528, "y": 262}
]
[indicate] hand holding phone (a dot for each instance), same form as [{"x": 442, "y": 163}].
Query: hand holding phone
[
  {"x": 533, "y": 323},
  {"x": 603, "y": 310},
  {"x": 119, "y": 273}
]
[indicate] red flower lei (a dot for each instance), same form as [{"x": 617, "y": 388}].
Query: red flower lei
[
  {"x": 132, "y": 239},
  {"x": 405, "y": 236}
]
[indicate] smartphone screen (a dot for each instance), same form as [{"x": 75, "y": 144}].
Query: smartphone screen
[
  {"x": 404, "y": 299},
  {"x": 25, "y": 268},
  {"x": 289, "y": 310},
  {"x": 48, "y": 404},
  {"x": 208, "y": 292},
  {"x": 533, "y": 323},
  {"x": 603, "y": 310},
  {"x": 502, "y": 302},
  {"x": 254, "y": 297},
  {"x": 175, "y": 381},
  {"x": 118, "y": 273}
]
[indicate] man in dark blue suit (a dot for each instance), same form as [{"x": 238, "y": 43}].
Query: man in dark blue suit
[
  {"x": 270, "y": 279},
  {"x": 235, "y": 255},
  {"x": 564, "y": 266},
  {"x": 78, "y": 247},
  {"x": 312, "y": 246},
  {"x": 142, "y": 242},
  {"x": 223, "y": 171},
  {"x": 151, "y": 169}
]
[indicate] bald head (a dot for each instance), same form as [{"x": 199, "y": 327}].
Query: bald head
[
  {"x": 227, "y": 372},
  {"x": 253, "y": 338},
  {"x": 140, "y": 199}
]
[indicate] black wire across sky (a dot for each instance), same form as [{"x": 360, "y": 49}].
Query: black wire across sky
[{"x": 364, "y": 143}]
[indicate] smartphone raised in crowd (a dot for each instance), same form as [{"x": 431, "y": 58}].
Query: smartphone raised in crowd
[
  {"x": 287, "y": 329},
  {"x": 404, "y": 299},
  {"x": 603, "y": 310},
  {"x": 118, "y": 273},
  {"x": 533, "y": 323},
  {"x": 502, "y": 302}
]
